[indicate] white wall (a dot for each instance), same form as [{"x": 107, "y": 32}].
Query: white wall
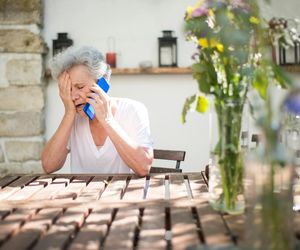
[{"x": 136, "y": 24}]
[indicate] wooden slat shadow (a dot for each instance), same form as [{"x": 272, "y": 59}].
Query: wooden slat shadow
[
  {"x": 116, "y": 188},
  {"x": 59, "y": 234},
  {"x": 93, "y": 232},
  {"x": 184, "y": 228},
  {"x": 94, "y": 189},
  {"x": 30, "y": 233},
  {"x": 152, "y": 232},
  {"x": 15, "y": 186},
  {"x": 123, "y": 229}
]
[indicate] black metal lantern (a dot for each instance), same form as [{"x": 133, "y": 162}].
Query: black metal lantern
[
  {"x": 289, "y": 55},
  {"x": 167, "y": 50},
  {"x": 61, "y": 43}
]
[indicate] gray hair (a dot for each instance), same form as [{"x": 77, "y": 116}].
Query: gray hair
[{"x": 88, "y": 56}]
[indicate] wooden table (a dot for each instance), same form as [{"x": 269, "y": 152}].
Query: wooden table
[{"x": 165, "y": 211}]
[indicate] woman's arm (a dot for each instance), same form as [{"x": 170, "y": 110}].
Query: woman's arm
[
  {"x": 55, "y": 151},
  {"x": 138, "y": 158}
]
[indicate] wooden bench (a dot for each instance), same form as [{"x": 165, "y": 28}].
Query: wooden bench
[{"x": 170, "y": 155}]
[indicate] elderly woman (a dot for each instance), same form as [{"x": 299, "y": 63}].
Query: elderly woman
[{"x": 117, "y": 140}]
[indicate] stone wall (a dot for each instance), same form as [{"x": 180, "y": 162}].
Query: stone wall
[{"x": 22, "y": 98}]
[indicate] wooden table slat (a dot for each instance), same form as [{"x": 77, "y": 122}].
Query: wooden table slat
[
  {"x": 73, "y": 189},
  {"x": 213, "y": 228},
  {"x": 30, "y": 189},
  {"x": 4, "y": 212},
  {"x": 152, "y": 232},
  {"x": 197, "y": 185},
  {"x": 12, "y": 223},
  {"x": 15, "y": 186},
  {"x": 93, "y": 190},
  {"x": 236, "y": 225},
  {"x": 59, "y": 234},
  {"x": 156, "y": 188},
  {"x": 122, "y": 230},
  {"x": 93, "y": 231},
  {"x": 115, "y": 189},
  {"x": 32, "y": 230},
  {"x": 184, "y": 228},
  {"x": 178, "y": 188},
  {"x": 8, "y": 179},
  {"x": 135, "y": 189},
  {"x": 49, "y": 191}
]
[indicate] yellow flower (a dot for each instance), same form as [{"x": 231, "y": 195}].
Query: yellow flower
[
  {"x": 215, "y": 44},
  {"x": 210, "y": 12},
  {"x": 202, "y": 104},
  {"x": 220, "y": 47},
  {"x": 189, "y": 12},
  {"x": 203, "y": 42},
  {"x": 254, "y": 20},
  {"x": 212, "y": 43}
]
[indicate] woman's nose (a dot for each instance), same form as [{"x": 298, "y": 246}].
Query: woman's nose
[{"x": 75, "y": 95}]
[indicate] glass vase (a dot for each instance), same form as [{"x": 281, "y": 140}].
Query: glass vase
[
  {"x": 291, "y": 136},
  {"x": 226, "y": 158},
  {"x": 268, "y": 189}
]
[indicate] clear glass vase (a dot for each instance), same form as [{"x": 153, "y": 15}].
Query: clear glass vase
[
  {"x": 226, "y": 158},
  {"x": 268, "y": 189}
]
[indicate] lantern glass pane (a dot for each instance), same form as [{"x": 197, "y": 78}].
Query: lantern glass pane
[
  {"x": 166, "y": 55},
  {"x": 174, "y": 55},
  {"x": 290, "y": 55}
]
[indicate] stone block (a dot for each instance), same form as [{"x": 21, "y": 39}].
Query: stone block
[
  {"x": 20, "y": 151},
  {"x": 20, "y": 12},
  {"x": 21, "y": 124},
  {"x": 21, "y": 41},
  {"x": 19, "y": 168},
  {"x": 24, "y": 72},
  {"x": 6, "y": 58},
  {"x": 21, "y": 98}
]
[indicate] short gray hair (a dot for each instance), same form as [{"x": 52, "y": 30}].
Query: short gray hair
[{"x": 88, "y": 56}]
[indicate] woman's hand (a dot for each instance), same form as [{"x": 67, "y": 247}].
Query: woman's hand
[
  {"x": 65, "y": 86},
  {"x": 100, "y": 102}
]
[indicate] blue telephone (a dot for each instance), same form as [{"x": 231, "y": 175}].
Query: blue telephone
[{"x": 88, "y": 109}]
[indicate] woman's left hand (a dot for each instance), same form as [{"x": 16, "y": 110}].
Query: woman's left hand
[{"x": 100, "y": 102}]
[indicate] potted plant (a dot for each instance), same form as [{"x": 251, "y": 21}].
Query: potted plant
[{"x": 232, "y": 42}]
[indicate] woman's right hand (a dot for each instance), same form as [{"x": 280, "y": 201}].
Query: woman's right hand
[{"x": 65, "y": 87}]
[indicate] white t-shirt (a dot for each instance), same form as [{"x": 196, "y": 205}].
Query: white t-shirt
[{"x": 132, "y": 116}]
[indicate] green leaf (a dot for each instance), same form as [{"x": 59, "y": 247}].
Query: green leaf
[
  {"x": 201, "y": 75},
  {"x": 281, "y": 77},
  {"x": 186, "y": 107},
  {"x": 204, "y": 85},
  {"x": 260, "y": 83},
  {"x": 197, "y": 26},
  {"x": 198, "y": 68}
]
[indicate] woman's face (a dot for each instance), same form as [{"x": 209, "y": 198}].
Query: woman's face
[{"x": 81, "y": 82}]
